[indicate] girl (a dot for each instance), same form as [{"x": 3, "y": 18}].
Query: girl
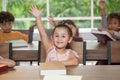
[{"x": 62, "y": 36}]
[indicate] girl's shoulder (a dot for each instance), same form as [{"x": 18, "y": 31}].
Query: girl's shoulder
[
  {"x": 70, "y": 51},
  {"x": 51, "y": 48}
]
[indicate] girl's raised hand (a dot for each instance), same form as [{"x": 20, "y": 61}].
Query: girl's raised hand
[
  {"x": 102, "y": 4},
  {"x": 35, "y": 12}
]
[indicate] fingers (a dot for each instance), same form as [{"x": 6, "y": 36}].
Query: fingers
[{"x": 33, "y": 7}]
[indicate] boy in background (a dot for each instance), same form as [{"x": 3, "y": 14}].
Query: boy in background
[{"x": 6, "y": 33}]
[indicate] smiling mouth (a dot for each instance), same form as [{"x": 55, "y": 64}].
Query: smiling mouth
[{"x": 59, "y": 42}]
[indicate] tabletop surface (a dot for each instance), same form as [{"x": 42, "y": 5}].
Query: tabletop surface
[{"x": 102, "y": 72}]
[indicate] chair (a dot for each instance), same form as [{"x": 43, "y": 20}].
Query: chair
[
  {"x": 79, "y": 47},
  {"x": 49, "y": 32},
  {"x": 6, "y": 50},
  {"x": 29, "y": 53},
  {"x": 27, "y": 32},
  {"x": 113, "y": 48}
]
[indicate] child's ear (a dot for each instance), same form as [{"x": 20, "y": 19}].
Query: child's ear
[{"x": 70, "y": 40}]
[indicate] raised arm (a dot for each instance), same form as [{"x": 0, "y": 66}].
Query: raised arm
[
  {"x": 51, "y": 20},
  {"x": 103, "y": 13},
  {"x": 37, "y": 14},
  {"x": 102, "y": 7}
]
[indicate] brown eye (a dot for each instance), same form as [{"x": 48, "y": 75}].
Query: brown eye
[{"x": 63, "y": 36}]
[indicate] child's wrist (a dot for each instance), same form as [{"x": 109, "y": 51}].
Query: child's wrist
[{"x": 37, "y": 17}]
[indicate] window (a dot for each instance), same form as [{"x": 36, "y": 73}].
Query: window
[{"x": 85, "y": 13}]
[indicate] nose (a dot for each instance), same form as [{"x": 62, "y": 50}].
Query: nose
[{"x": 59, "y": 38}]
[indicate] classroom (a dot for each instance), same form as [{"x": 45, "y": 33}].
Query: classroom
[{"x": 59, "y": 39}]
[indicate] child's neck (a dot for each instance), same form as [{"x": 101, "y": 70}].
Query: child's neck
[{"x": 62, "y": 51}]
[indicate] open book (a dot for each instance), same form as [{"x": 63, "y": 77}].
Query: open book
[
  {"x": 48, "y": 68},
  {"x": 18, "y": 43},
  {"x": 102, "y": 35}
]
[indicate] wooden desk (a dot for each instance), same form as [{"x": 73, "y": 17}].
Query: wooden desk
[
  {"x": 102, "y": 72},
  {"x": 21, "y": 73},
  {"x": 26, "y": 53},
  {"x": 96, "y": 51}
]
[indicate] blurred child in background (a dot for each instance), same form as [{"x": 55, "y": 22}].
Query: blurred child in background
[
  {"x": 111, "y": 23},
  {"x": 6, "y": 33},
  {"x": 70, "y": 24}
]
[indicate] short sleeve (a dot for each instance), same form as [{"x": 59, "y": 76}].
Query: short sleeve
[{"x": 75, "y": 53}]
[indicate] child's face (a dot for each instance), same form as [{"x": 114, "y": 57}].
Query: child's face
[
  {"x": 74, "y": 30},
  {"x": 113, "y": 24},
  {"x": 6, "y": 27},
  {"x": 61, "y": 38}
]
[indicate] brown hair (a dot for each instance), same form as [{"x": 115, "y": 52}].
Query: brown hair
[
  {"x": 114, "y": 15},
  {"x": 70, "y": 22},
  {"x": 6, "y": 17}
]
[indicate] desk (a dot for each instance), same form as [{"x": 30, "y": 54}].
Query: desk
[
  {"x": 21, "y": 73},
  {"x": 26, "y": 53},
  {"x": 96, "y": 51},
  {"x": 102, "y": 72}
]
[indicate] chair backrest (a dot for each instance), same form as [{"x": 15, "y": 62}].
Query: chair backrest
[
  {"x": 5, "y": 49},
  {"x": 27, "y": 32},
  {"x": 42, "y": 53},
  {"x": 49, "y": 32},
  {"x": 113, "y": 51},
  {"x": 79, "y": 47}
]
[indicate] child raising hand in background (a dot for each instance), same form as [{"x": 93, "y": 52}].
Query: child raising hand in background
[
  {"x": 111, "y": 23},
  {"x": 61, "y": 37},
  {"x": 70, "y": 24}
]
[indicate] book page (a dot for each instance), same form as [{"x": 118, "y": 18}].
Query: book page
[
  {"x": 18, "y": 43},
  {"x": 102, "y": 35}
]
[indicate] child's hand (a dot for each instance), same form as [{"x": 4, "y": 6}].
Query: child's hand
[
  {"x": 102, "y": 4},
  {"x": 35, "y": 12},
  {"x": 110, "y": 31},
  {"x": 33, "y": 24},
  {"x": 101, "y": 29},
  {"x": 50, "y": 18}
]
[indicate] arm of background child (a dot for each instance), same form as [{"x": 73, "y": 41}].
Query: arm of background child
[
  {"x": 102, "y": 7},
  {"x": 103, "y": 13},
  {"x": 116, "y": 34},
  {"x": 21, "y": 36},
  {"x": 37, "y": 14},
  {"x": 52, "y": 21}
]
